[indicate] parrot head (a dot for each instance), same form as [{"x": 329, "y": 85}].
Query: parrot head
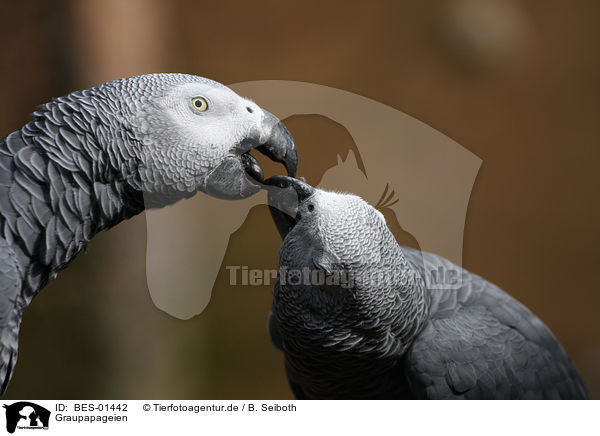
[
  {"x": 337, "y": 234},
  {"x": 196, "y": 134}
]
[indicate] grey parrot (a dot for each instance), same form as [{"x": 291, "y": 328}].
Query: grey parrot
[
  {"x": 94, "y": 158},
  {"x": 355, "y": 318}
]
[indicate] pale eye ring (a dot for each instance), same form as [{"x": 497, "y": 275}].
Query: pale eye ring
[{"x": 200, "y": 104}]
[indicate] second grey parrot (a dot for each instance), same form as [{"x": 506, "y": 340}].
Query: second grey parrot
[
  {"x": 356, "y": 320},
  {"x": 94, "y": 158}
]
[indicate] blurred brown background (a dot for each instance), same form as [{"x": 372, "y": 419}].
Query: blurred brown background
[{"x": 514, "y": 81}]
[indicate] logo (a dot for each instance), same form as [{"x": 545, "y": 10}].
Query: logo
[
  {"x": 26, "y": 415},
  {"x": 418, "y": 176}
]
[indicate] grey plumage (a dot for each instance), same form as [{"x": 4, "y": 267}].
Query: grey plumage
[
  {"x": 93, "y": 158},
  {"x": 383, "y": 333}
]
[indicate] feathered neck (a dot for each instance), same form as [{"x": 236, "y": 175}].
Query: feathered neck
[
  {"x": 378, "y": 314},
  {"x": 66, "y": 175}
]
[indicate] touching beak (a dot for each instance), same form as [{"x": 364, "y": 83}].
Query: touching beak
[
  {"x": 285, "y": 195},
  {"x": 280, "y": 146},
  {"x": 239, "y": 175},
  {"x": 275, "y": 142}
]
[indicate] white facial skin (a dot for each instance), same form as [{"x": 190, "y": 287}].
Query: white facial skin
[
  {"x": 225, "y": 119},
  {"x": 202, "y": 128}
]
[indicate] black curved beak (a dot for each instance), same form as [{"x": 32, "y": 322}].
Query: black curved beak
[
  {"x": 285, "y": 195},
  {"x": 278, "y": 146}
]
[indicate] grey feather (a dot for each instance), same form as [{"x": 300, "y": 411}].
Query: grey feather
[
  {"x": 87, "y": 160},
  {"x": 392, "y": 336},
  {"x": 273, "y": 330}
]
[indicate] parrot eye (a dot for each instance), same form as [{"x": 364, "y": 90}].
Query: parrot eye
[
  {"x": 200, "y": 104},
  {"x": 310, "y": 208}
]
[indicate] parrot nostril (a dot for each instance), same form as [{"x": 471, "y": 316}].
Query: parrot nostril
[{"x": 249, "y": 109}]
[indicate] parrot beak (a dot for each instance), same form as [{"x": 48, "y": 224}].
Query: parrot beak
[
  {"x": 280, "y": 146},
  {"x": 240, "y": 175},
  {"x": 285, "y": 195},
  {"x": 277, "y": 144}
]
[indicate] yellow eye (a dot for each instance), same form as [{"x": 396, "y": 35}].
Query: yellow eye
[{"x": 200, "y": 104}]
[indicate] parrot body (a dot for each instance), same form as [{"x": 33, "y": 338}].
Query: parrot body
[
  {"x": 377, "y": 331},
  {"x": 94, "y": 158}
]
